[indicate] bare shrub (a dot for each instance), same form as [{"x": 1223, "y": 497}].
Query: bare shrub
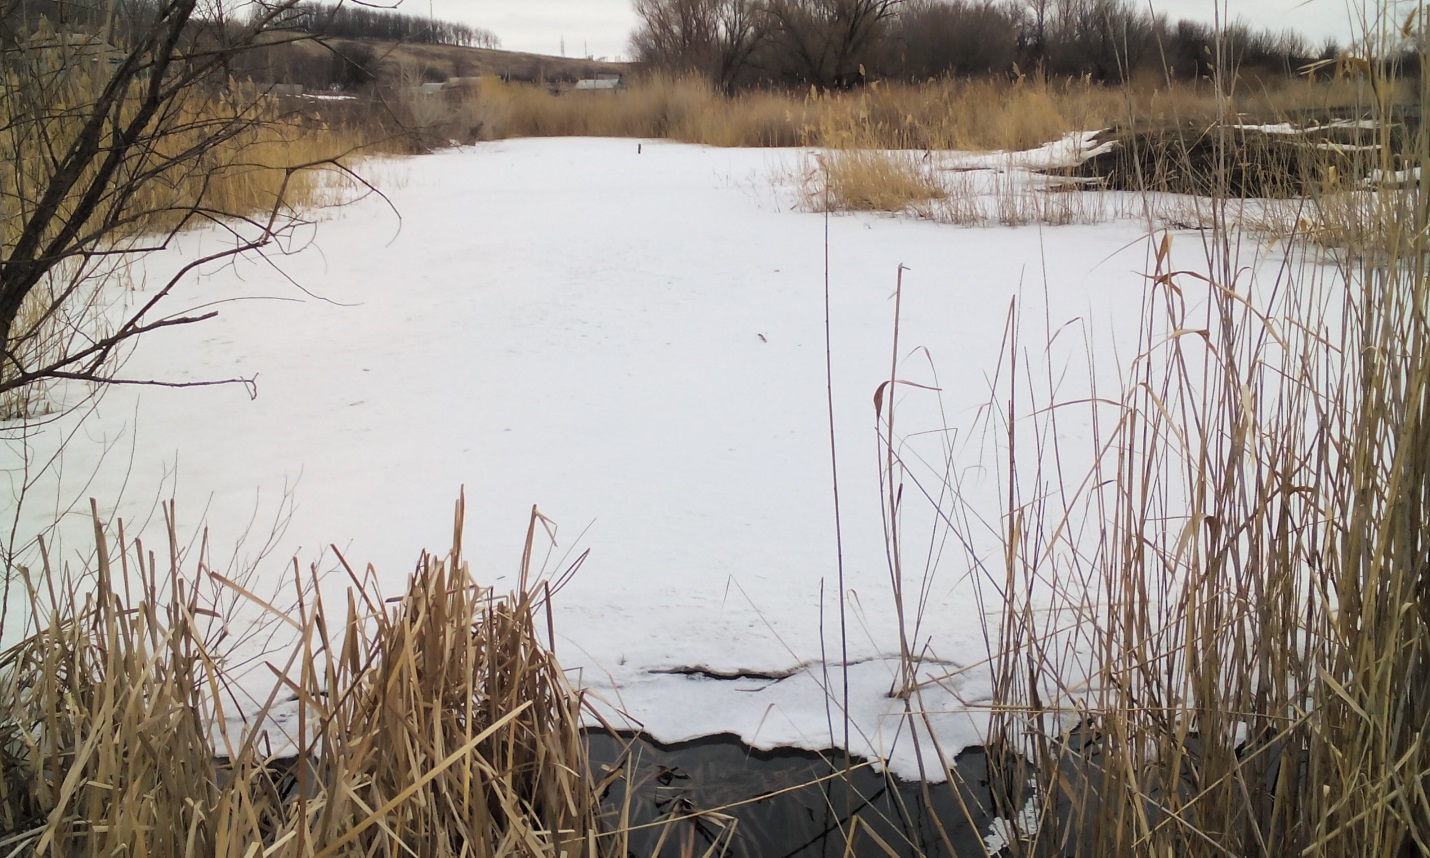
[{"x": 115, "y": 147}]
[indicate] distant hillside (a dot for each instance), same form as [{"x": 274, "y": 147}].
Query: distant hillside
[{"x": 355, "y": 63}]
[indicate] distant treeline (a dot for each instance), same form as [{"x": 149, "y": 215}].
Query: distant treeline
[
  {"x": 120, "y": 18},
  {"x": 350, "y": 21},
  {"x": 838, "y": 43}
]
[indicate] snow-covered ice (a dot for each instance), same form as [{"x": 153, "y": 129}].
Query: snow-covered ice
[
  {"x": 1068, "y": 151},
  {"x": 631, "y": 338}
]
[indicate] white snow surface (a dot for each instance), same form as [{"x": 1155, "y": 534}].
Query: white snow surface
[
  {"x": 635, "y": 343},
  {"x": 1067, "y": 151},
  {"x": 1392, "y": 178}
]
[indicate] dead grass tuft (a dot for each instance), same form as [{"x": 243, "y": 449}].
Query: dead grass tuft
[{"x": 868, "y": 180}]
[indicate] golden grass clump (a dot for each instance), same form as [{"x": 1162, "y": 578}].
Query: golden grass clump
[
  {"x": 869, "y": 180},
  {"x": 853, "y": 177},
  {"x": 438, "y": 724}
]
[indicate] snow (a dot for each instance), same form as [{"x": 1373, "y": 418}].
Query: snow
[
  {"x": 1345, "y": 148},
  {"x": 1289, "y": 128},
  {"x": 629, "y": 334},
  {"x": 1069, "y": 151},
  {"x": 1392, "y": 178},
  {"x": 1276, "y": 128}
]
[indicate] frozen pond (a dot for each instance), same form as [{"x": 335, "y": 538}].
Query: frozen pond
[{"x": 633, "y": 340}]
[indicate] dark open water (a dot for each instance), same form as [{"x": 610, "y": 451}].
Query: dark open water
[{"x": 767, "y": 804}]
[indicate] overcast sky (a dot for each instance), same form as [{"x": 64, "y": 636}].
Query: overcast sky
[{"x": 601, "y": 28}]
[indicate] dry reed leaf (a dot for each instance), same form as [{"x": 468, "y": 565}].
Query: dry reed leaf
[{"x": 879, "y": 392}]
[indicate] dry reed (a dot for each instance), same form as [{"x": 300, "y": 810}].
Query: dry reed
[
  {"x": 988, "y": 114},
  {"x": 435, "y": 724},
  {"x": 1214, "y": 643}
]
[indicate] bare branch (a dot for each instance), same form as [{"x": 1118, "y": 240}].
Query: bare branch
[{"x": 111, "y": 165}]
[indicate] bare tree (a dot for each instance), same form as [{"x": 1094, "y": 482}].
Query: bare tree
[
  {"x": 1036, "y": 30},
  {"x": 111, "y": 124},
  {"x": 712, "y": 37},
  {"x": 676, "y": 35},
  {"x": 961, "y": 38},
  {"x": 740, "y": 36},
  {"x": 827, "y": 41},
  {"x": 364, "y": 21}
]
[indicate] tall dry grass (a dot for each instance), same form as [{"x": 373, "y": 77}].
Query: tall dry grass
[
  {"x": 1163, "y": 154},
  {"x": 937, "y": 115},
  {"x": 1215, "y": 642},
  {"x": 221, "y": 151},
  {"x": 988, "y": 114},
  {"x": 875, "y": 135},
  {"x": 437, "y": 724}
]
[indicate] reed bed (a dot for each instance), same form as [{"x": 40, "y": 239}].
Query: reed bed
[
  {"x": 1214, "y": 642},
  {"x": 990, "y": 114},
  {"x": 1337, "y": 183},
  {"x": 434, "y": 724}
]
